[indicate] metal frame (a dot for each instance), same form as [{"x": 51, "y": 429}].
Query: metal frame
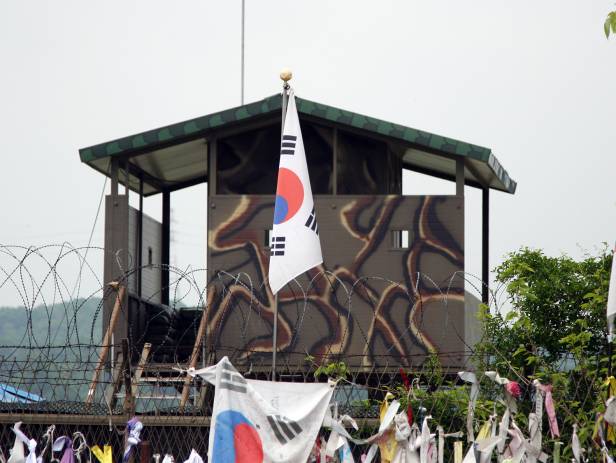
[
  {"x": 335, "y": 161},
  {"x": 460, "y": 177},
  {"x": 213, "y": 167},
  {"x": 140, "y": 241},
  {"x": 120, "y": 420},
  {"x": 165, "y": 247},
  {"x": 114, "y": 178},
  {"x": 485, "y": 245}
]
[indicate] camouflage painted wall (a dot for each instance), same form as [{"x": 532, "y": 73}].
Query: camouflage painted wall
[{"x": 368, "y": 302}]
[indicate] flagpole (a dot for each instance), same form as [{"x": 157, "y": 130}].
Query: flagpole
[
  {"x": 285, "y": 75},
  {"x": 274, "y": 337}
]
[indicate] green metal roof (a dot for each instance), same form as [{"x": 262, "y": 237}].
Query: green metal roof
[{"x": 482, "y": 165}]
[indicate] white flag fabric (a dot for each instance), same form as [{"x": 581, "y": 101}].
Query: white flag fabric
[
  {"x": 295, "y": 245},
  {"x": 194, "y": 457},
  {"x": 262, "y": 421},
  {"x": 611, "y": 301}
]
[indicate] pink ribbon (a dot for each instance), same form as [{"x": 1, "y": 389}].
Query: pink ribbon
[
  {"x": 514, "y": 389},
  {"x": 549, "y": 408}
]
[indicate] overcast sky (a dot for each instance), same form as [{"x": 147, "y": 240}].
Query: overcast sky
[{"x": 533, "y": 80}]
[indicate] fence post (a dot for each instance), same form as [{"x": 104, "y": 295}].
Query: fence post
[
  {"x": 129, "y": 401},
  {"x": 115, "y": 314},
  {"x": 145, "y": 451}
]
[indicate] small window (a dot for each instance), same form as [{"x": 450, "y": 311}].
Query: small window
[
  {"x": 400, "y": 239},
  {"x": 149, "y": 255}
]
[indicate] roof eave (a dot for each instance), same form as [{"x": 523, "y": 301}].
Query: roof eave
[{"x": 202, "y": 126}]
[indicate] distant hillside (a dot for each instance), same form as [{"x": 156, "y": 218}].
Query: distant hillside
[
  {"x": 73, "y": 322},
  {"x": 50, "y": 350}
]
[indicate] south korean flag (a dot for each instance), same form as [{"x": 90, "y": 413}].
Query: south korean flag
[
  {"x": 295, "y": 246},
  {"x": 262, "y": 421}
]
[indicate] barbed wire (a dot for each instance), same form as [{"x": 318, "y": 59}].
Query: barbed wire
[
  {"x": 51, "y": 340},
  {"x": 51, "y": 344}
]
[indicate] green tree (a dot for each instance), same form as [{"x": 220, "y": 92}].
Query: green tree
[
  {"x": 551, "y": 299},
  {"x": 610, "y": 24},
  {"x": 554, "y": 329}
]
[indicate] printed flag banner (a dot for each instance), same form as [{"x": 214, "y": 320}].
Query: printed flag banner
[
  {"x": 295, "y": 245},
  {"x": 611, "y": 301},
  {"x": 262, "y": 421}
]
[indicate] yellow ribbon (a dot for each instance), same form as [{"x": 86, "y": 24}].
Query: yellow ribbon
[
  {"x": 388, "y": 444},
  {"x": 484, "y": 432},
  {"x": 458, "y": 451},
  {"x": 104, "y": 456}
]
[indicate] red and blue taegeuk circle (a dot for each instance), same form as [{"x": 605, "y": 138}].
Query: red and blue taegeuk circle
[
  {"x": 289, "y": 195},
  {"x": 235, "y": 439}
]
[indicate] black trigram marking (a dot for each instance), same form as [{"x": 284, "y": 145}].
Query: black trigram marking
[
  {"x": 231, "y": 379},
  {"x": 288, "y": 144},
  {"x": 277, "y": 245},
  {"x": 312, "y": 222},
  {"x": 284, "y": 429}
]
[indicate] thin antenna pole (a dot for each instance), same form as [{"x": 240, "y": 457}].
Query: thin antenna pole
[{"x": 242, "y": 71}]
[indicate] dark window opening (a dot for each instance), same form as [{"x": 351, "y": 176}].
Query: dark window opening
[
  {"x": 248, "y": 162},
  {"x": 367, "y": 166},
  {"x": 149, "y": 255}
]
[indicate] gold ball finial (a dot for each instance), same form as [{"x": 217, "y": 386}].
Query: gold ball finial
[{"x": 286, "y": 74}]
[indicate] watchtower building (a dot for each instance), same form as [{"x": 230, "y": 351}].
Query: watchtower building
[{"x": 391, "y": 287}]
